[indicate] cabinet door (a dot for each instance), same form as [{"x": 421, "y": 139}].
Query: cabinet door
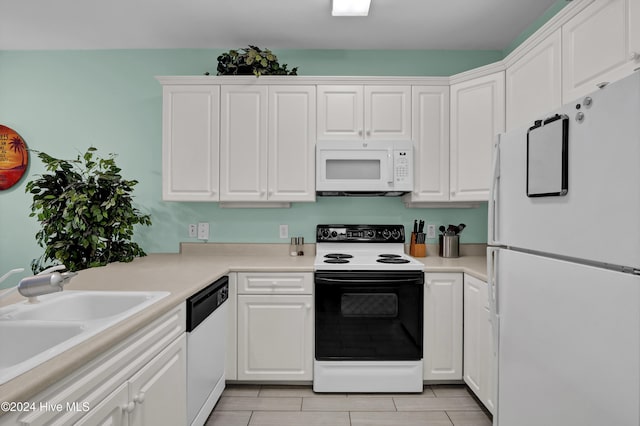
[
  {"x": 387, "y": 112},
  {"x": 243, "y": 143},
  {"x": 430, "y": 122},
  {"x": 478, "y": 341},
  {"x": 600, "y": 44},
  {"x": 292, "y": 141},
  {"x": 533, "y": 83},
  {"x": 487, "y": 357},
  {"x": 340, "y": 112},
  {"x": 112, "y": 411},
  {"x": 473, "y": 333},
  {"x": 477, "y": 116},
  {"x": 275, "y": 337},
  {"x": 159, "y": 390},
  {"x": 443, "y": 326},
  {"x": 190, "y": 143}
]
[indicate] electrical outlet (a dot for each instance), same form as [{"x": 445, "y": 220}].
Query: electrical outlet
[
  {"x": 193, "y": 230},
  {"x": 284, "y": 231},
  {"x": 431, "y": 231},
  {"x": 203, "y": 231}
]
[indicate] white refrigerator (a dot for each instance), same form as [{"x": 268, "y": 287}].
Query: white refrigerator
[{"x": 564, "y": 264}]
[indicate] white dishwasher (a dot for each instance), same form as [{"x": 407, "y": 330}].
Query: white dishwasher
[{"x": 206, "y": 337}]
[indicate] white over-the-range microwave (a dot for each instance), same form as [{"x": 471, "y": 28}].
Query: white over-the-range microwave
[{"x": 364, "y": 168}]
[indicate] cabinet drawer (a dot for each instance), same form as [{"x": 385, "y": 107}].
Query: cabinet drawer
[{"x": 275, "y": 283}]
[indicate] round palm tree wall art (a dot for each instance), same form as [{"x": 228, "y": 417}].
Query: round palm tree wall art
[{"x": 14, "y": 157}]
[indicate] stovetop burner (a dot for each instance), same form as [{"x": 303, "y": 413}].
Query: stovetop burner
[
  {"x": 336, "y": 260},
  {"x": 362, "y": 248},
  {"x": 338, "y": 256},
  {"x": 394, "y": 260}
]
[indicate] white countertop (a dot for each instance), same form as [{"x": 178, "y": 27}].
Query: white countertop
[{"x": 182, "y": 275}]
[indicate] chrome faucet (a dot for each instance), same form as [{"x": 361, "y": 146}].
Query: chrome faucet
[{"x": 45, "y": 282}]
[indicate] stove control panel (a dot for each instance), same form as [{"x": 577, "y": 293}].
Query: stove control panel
[{"x": 360, "y": 233}]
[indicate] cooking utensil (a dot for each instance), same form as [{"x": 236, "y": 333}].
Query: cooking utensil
[
  {"x": 415, "y": 226},
  {"x": 421, "y": 226},
  {"x": 461, "y": 227},
  {"x": 442, "y": 229}
]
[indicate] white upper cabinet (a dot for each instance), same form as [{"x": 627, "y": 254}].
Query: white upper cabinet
[
  {"x": 190, "y": 143},
  {"x": 267, "y": 143},
  {"x": 477, "y": 116},
  {"x": 601, "y": 44},
  {"x": 359, "y": 112},
  {"x": 292, "y": 141},
  {"x": 430, "y": 121},
  {"x": 533, "y": 82},
  {"x": 243, "y": 143}
]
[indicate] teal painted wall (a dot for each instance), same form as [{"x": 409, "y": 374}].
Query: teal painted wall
[{"x": 61, "y": 102}]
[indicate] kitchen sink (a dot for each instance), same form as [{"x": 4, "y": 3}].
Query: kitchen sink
[
  {"x": 32, "y": 333},
  {"x": 24, "y": 340},
  {"x": 84, "y": 305}
]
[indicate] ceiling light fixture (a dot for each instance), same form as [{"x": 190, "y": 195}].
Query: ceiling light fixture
[{"x": 350, "y": 7}]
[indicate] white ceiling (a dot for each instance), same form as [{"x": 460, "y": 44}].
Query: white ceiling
[{"x": 275, "y": 24}]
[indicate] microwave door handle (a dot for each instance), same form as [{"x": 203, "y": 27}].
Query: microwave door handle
[{"x": 389, "y": 166}]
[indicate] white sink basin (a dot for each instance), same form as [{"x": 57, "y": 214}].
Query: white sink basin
[
  {"x": 83, "y": 305},
  {"x": 21, "y": 341},
  {"x": 32, "y": 333}
]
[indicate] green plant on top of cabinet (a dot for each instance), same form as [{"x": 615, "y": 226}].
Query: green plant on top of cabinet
[
  {"x": 477, "y": 116},
  {"x": 267, "y": 143},
  {"x": 601, "y": 44},
  {"x": 356, "y": 112}
]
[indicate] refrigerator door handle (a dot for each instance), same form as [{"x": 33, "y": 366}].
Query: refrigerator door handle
[
  {"x": 492, "y": 281},
  {"x": 493, "y": 193}
]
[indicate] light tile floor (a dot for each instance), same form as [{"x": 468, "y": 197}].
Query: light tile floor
[{"x": 255, "y": 405}]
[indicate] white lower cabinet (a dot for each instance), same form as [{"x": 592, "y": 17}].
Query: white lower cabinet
[
  {"x": 110, "y": 411},
  {"x": 140, "y": 382},
  {"x": 275, "y": 330},
  {"x": 443, "y": 326},
  {"x": 157, "y": 389},
  {"x": 478, "y": 341}
]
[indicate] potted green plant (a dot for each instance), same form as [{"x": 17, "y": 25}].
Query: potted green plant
[
  {"x": 252, "y": 60},
  {"x": 86, "y": 212}
]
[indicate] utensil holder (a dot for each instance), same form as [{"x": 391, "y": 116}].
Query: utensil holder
[
  {"x": 415, "y": 249},
  {"x": 449, "y": 246}
]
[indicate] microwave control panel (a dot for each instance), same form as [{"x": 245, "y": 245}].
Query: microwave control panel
[{"x": 401, "y": 166}]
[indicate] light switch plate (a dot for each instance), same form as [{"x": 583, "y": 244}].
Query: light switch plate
[
  {"x": 193, "y": 230},
  {"x": 284, "y": 231}
]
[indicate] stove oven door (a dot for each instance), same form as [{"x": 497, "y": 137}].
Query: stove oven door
[{"x": 368, "y": 316}]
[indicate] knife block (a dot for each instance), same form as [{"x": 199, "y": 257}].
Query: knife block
[{"x": 417, "y": 250}]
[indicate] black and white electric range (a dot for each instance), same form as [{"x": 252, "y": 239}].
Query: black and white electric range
[{"x": 368, "y": 311}]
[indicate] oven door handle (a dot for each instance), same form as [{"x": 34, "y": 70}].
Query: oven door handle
[{"x": 366, "y": 281}]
